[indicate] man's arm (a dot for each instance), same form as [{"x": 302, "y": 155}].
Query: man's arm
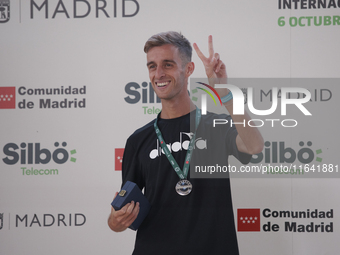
[
  {"x": 120, "y": 220},
  {"x": 249, "y": 139}
]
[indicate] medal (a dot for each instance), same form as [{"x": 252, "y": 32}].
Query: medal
[{"x": 183, "y": 187}]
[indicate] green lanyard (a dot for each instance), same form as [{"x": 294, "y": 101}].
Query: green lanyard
[{"x": 182, "y": 174}]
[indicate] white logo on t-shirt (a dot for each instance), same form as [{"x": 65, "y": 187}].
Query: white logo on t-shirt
[{"x": 180, "y": 145}]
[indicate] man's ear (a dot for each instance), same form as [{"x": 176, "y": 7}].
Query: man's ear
[{"x": 190, "y": 67}]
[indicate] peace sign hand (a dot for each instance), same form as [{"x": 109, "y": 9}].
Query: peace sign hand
[{"x": 214, "y": 67}]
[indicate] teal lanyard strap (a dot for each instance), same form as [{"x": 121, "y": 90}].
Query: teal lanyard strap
[{"x": 182, "y": 174}]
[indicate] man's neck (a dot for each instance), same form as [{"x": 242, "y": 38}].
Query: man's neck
[{"x": 174, "y": 109}]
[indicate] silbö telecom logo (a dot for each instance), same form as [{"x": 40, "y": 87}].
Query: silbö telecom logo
[
  {"x": 239, "y": 101},
  {"x": 32, "y": 153},
  {"x": 143, "y": 93}
]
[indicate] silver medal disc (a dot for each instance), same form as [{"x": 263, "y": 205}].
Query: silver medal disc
[{"x": 183, "y": 187}]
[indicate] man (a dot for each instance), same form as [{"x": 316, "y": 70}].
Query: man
[{"x": 198, "y": 218}]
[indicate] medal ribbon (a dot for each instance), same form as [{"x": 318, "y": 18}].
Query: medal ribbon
[{"x": 182, "y": 174}]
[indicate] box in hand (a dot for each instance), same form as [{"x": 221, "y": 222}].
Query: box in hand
[{"x": 131, "y": 192}]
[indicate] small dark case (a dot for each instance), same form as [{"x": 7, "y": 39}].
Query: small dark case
[{"x": 131, "y": 192}]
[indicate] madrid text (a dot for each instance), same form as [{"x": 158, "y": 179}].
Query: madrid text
[
  {"x": 49, "y": 220},
  {"x": 84, "y": 8},
  {"x": 293, "y": 226}
]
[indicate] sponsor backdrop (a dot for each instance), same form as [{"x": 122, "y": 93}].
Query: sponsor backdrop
[{"x": 74, "y": 86}]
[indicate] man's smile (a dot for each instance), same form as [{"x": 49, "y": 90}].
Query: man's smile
[{"x": 162, "y": 84}]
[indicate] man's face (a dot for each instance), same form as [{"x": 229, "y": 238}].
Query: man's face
[{"x": 166, "y": 71}]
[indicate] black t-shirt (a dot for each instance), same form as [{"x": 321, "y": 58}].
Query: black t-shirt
[{"x": 199, "y": 223}]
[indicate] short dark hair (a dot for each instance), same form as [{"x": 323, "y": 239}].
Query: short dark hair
[{"x": 173, "y": 38}]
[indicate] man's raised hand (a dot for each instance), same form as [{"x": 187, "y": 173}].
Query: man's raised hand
[{"x": 214, "y": 67}]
